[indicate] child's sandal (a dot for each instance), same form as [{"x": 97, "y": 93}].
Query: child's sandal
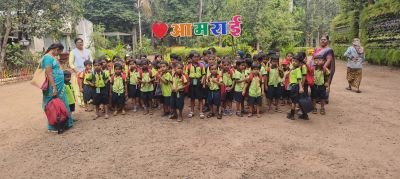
[
  {"x": 250, "y": 115},
  {"x": 190, "y": 115},
  {"x": 315, "y": 111},
  {"x": 219, "y": 116},
  {"x": 210, "y": 115},
  {"x": 201, "y": 115}
]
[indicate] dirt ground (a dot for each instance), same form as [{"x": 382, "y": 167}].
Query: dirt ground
[{"x": 358, "y": 138}]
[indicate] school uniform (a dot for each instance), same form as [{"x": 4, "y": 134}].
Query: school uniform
[
  {"x": 294, "y": 77},
  {"x": 87, "y": 88},
  {"x": 239, "y": 87},
  {"x": 318, "y": 90},
  {"x": 166, "y": 88},
  {"x": 146, "y": 89},
  {"x": 100, "y": 94},
  {"x": 178, "y": 98},
  {"x": 214, "y": 95},
  {"x": 228, "y": 82},
  {"x": 274, "y": 90},
  {"x": 195, "y": 73},
  {"x": 255, "y": 91},
  {"x": 118, "y": 90},
  {"x": 69, "y": 92},
  {"x": 133, "y": 86}
]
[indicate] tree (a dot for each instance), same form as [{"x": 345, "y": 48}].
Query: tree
[{"x": 36, "y": 18}]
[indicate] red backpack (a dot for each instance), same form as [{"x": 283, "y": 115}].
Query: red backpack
[
  {"x": 57, "y": 114},
  {"x": 310, "y": 75}
]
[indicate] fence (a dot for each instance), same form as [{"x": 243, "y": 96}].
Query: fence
[{"x": 11, "y": 75}]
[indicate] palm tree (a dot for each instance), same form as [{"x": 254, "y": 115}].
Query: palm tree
[{"x": 143, "y": 5}]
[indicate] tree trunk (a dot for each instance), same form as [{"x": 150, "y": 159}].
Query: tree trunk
[
  {"x": 134, "y": 37},
  {"x": 4, "y": 44},
  {"x": 220, "y": 41}
]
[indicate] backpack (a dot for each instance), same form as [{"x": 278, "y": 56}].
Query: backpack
[
  {"x": 189, "y": 66},
  {"x": 102, "y": 74},
  {"x": 57, "y": 114},
  {"x": 310, "y": 75},
  {"x": 251, "y": 76},
  {"x": 183, "y": 77}
]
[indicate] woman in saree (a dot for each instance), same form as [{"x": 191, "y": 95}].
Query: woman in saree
[
  {"x": 327, "y": 52},
  {"x": 355, "y": 58},
  {"x": 55, "y": 77}
]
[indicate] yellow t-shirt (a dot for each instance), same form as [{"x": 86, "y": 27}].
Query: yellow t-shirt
[
  {"x": 166, "y": 88},
  {"x": 255, "y": 89},
  {"x": 146, "y": 86},
  {"x": 118, "y": 85},
  {"x": 212, "y": 85},
  {"x": 179, "y": 81}
]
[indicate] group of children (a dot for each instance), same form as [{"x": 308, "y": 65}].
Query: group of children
[{"x": 213, "y": 82}]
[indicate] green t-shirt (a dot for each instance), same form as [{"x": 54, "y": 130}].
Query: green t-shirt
[
  {"x": 133, "y": 77},
  {"x": 255, "y": 89},
  {"x": 319, "y": 76},
  {"x": 304, "y": 70},
  {"x": 195, "y": 71},
  {"x": 273, "y": 77},
  {"x": 69, "y": 91},
  {"x": 263, "y": 70},
  {"x": 166, "y": 88},
  {"x": 247, "y": 71},
  {"x": 212, "y": 85},
  {"x": 100, "y": 79},
  {"x": 147, "y": 86},
  {"x": 294, "y": 76},
  {"x": 227, "y": 79},
  {"x": 238, "y": 76},
  {"x": 86, "y": 76},
  {"x": 118, "y": 85},
  {"x": 177, "y": 81}
]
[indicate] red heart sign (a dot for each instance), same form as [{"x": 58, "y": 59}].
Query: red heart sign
[{"x": 159, "y": 29}]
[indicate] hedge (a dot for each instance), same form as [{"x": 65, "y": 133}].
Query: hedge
[
  {"x": 380, "y": 29},
  {"x": 344, "y": 28}
]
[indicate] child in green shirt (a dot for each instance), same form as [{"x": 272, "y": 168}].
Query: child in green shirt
[
  {"x": 273, "y": 83},
  {"x": 165, "y": 78},
  {"x": 69, "y": 91},
  {"x": 239, "y": 78},
  {"x": 133, "y": 84},
  {"x": 146, "y": 79},
  {"x": 214, "y": 83},
  {"x": 85, "y": 86},
  {"x": 321, "y": 84},
  {"x": 255, "y": 89},
  {"x": 296, "y": 87},
  {"x": 100, "y": 96},
  {"x": 118, "y": 89},
  {"x": 227, "y": 93},
  {"x": 179, "y": 83}
]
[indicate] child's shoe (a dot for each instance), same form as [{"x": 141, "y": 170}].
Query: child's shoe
[
  {"x": 291, "y": 115},
  {"x": 304, "y": 117}
]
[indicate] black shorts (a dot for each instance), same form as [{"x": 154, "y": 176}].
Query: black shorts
[
  {"x": 118, "y": 99},
  {"x": 146, "y": 96},
  {"x": 72, "y": 107},
  {"x": 195, "y": 92},
  {"x": 101, "y": 98},
  {"x": 214, "y": 98},
  {"x": 254, "y": 100},
  {"x": 294, "y": 93},
  {"x": 87, "y": 93},
  {"x": 204, "y": 92},
  {"x": 238, "y": 96},
  {"x": 133, "y": 91},
  {"x": 286, "y": 94},
  {"x": 274, "y": 92},
  {"x": 165, "y": 100},
  {"x": 318, "y": 92},
  {"x": 177, "y": 100},
  {"x": 228, "y": 96}
]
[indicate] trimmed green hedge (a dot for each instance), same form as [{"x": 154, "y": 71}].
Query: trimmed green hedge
[
  {"x": 380, "y": 29},
  {"x": 344, "y": 28},
  {"x": 183, "y": 52}
]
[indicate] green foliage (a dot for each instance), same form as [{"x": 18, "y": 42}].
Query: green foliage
[
  {"x": 344, "y": 28},
  {"x": 183, "y": 52},
  {"x": 116, "y": 15},
  {"x": 146, "y": 49},
  {"x": 379, "y": 29},
  {"x": 98, "y": 41},
  {"x": 118, "y": 51},
  {"x": 18, "y": 58}
]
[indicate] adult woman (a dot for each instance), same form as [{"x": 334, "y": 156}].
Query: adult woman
[
  {"x": 327, "y": 52},
  {"x": 56, "y": 79},
  {"x": 79, "y": 55},
  {"x": 355, "y": 58}
]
